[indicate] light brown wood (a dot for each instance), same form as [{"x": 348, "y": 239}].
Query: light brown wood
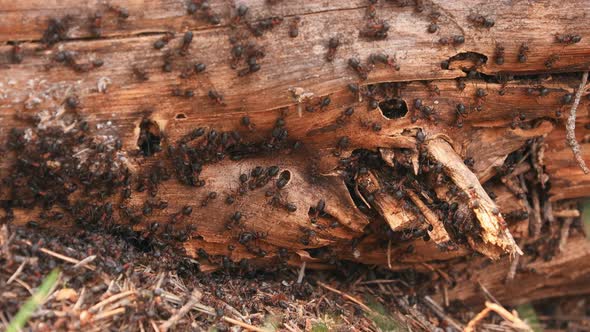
[{"x": 565, "y": 274}]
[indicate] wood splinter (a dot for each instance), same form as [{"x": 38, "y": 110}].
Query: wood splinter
[
  {"x": 496, "y": 239},
  {"x": 438, "y": 234},
  {"x": 390, "y": 208},
  {"x": 570, "y": 126}
]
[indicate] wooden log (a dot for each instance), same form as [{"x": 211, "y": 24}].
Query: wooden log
[{"x": 297, "y": 112}]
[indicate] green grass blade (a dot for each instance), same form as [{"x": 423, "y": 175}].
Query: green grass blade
[{"x": 25, "y": 312}]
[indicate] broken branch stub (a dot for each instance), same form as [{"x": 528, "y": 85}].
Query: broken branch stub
[{"x": 494, "y": 238}]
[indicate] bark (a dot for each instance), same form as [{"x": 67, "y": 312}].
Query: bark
[{"x": 338, "y": 201}]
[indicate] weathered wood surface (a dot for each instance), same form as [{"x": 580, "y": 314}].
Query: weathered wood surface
[
  {"x": 565, "y": 274},
  {"x": 40, "y": 83}
]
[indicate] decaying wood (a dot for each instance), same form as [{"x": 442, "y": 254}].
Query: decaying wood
[
  {"x": 321, "y": 213},
  {"x": 565, "y": 274}
]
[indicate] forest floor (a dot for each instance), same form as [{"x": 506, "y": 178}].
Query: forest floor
[{"x": 105, "y": 282}]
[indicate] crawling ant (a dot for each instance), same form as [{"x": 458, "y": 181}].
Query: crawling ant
[
  {"x": 195, "y": 5},
  {"x": 432, "y": 28},
  {"x": 188, "y": 93},
  {"x": 361, "y": 70},
  {"x": 187, "y": 210},
  {"x": 469, "y": 162},
  {"x": 294, "y": 27},
  {"x": 480, "y": 93},
  {"x": 461, "y": 84},
  {"x": 160, "y": 43},
  {"x": 247, "y": 122},
  {"x": 215, "y": 96},
  {"x": 480, "y": 20},
  {"x": 186, "y": 42},
  {"x": 419, "y": 6},
  {"x": 461, "y": 113},
  {"x": 375, "y": 30},
  {"x": 517, "y": 120},
  {"x": 499, "y": 55},
  {"x": 320, "y": 206},
  {"x": 96, "y": 24},
  {"x": 371, "y": 12},
  {"x": 342, "y": 144},
  {"x": 56, "y": 31},
  {"x": 253, "y": 53},
  {"x": 444, "y": 41},
  {"x": 241, "y": 12},
  {"x": 375, "y": 58},
  {"x": 567, "y": 38},
  {"x": 140, "y": 73},
  {"x": 265, "y": 24},
  {"x": 522, "y": 53},
  {"x": 333, "y": 44},
  {"x": 72, "y": 102},
  {"x": 211, "y": 196},
  {"x": 168, "y": 59},
  {"x": 17, "y": 53},
  {"x": 433, "y": 88},
  {"x": 458, "y": 40},
  {"x": 474, "y": 197},
  {"x": 199, "y": 67},
  {"x": 543, "y": 91},
  {"x": 553, "y": 58},
  {"x": 121, "y": 12},
  {"x": 194, "y": 69},
  {"x": 353, "y": 88}
]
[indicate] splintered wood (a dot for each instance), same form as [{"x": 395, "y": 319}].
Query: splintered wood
[{"x": 494, "y": 236}]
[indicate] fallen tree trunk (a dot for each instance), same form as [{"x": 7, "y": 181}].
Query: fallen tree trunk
[{"x": 408, "y": 147}]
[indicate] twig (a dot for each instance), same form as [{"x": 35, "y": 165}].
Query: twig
[
  {"x": 242, "y": 324},
  {"x": 438, "y": 234},
  {"x": 16, "y": 273},
  {"x": 197, "y": 306},
  {"x": 160, "y": 280},
  {"x": 435, "y": 307},
  {"x": 154, "y": 325},
  {"x": 512, "y": 271},
  {"x": 348, "y": 297},
  {"x": 60, "y": 256},
  {"x": 537, "y": 221},
  {"x": 111, "y": 300},
  {"x": 507, "y": 315},
  {"x": 389, "y": 254},
  {"x": 487, "y": 293},
  {"x": 25, "y": 285},
  {"x": 445, "y": 294},
  {"x": 564, "y": 233},
  {"x": 476, "y": 320},
  {"x": 381, "y": 281},
  {"x": 80, "y": 300},
  {"x": 573, "y": 213},
  {"x": 301, "y": 273},
  {"x": 109, "y": 313},
  {"x": 194, "y": 299},
  {"x": 291, "y": 328},
  {"x": 570, "y": 126},
  {"x": 3, "y": 319},
  {"x": 85, "y": 261},
  {"x": 516, "y": 322}
]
